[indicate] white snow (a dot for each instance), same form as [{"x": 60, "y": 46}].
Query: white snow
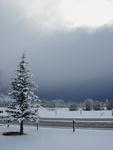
[
  {"x": 57, "y": 139},
  {"x": 65, "y": 113}
]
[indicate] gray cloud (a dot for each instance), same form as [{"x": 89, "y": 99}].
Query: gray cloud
[{"x": 72, "y": 64}]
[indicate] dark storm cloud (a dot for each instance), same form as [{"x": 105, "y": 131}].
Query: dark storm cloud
[{"x": 69, "y": 65}]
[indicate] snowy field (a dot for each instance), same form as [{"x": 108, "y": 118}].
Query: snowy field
[
  {"x": 57, "y": 139},
  {"x": 65, "y": 113}
]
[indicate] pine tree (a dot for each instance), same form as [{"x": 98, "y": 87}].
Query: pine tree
[{"x": 25, "y": 103}]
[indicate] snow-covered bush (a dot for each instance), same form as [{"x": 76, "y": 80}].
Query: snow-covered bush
[
  {"x": 88, "y": 104},
  {"x": 73, "y": 107},
  {"x": 97, "y": 105},
  {"x": 109, "y": 105}
]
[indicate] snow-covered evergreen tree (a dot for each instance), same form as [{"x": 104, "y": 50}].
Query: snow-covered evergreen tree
[{"x": 25, "y": 103}]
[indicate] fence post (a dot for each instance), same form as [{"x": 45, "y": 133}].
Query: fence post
[{"x": 73, "y": 125}]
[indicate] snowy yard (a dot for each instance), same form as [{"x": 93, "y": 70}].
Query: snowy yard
[{"x": 57, "y": 139}]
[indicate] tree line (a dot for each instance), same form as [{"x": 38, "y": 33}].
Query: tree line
[{"x": 88, "y": 104}]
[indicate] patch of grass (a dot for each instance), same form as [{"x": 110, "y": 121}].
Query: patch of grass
[{"x": 12, "y": 133}]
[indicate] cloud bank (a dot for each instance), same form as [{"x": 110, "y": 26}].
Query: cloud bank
[{"x": 72, "y": 63}]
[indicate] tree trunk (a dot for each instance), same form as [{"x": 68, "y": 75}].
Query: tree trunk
[
  {"x": 21, "y": 127},
  {"x": 37, "y": 126}
]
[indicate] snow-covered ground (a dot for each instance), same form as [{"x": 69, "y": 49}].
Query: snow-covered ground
[
  {"x": 65, "y": 113},
  {"x": 57, "y": 139}
]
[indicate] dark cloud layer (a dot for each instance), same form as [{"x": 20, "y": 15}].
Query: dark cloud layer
[{"x": 71, "y": 65}]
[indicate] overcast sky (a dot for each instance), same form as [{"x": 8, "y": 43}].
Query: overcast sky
[{"x": 68, "y": 44}]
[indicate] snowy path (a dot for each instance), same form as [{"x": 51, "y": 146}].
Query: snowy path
[{"x": 57, "y": 139}]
